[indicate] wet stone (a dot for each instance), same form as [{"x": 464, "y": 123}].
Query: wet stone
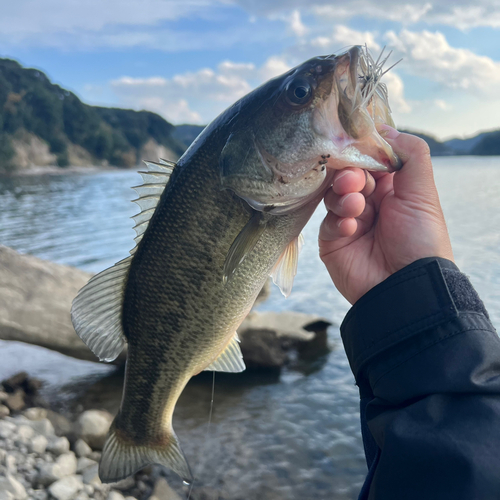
[
  {"x": 58, "y": 445},
  {"x": 124, "y": 484},
  {"x": 66, "y": 488},
  {"x": 11, "y": 485},
  {"x": 88, "y": 488},
  {"x": 65, "y": 465},
  {"x": 95, "y": 455},
  {"x": 40, "y": 495},
  {"x": 15, "y": 401},
  {"x": 42, "y": 426},
  {"x": 10, "y": 463},
  {"x": 4, "y": 411},
  {"x": 7, "y": 429},
  {"x": 90, "y": 475},
  {"x": 38, "y": 444},
  {"x": 82, "y": 449},
  {"x": 83, "y": 463},
  {"x": 81, "y": 496},
  {"x": 94, "y": 426},
  {"x": 24, "y": 433},
  {"x": 162, "y": 491},
  {"x": 114, "y": 495},
  {"x": 35, "y": 413}
]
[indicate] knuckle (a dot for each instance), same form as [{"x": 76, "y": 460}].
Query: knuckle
[{"x": 420, "y": 147}]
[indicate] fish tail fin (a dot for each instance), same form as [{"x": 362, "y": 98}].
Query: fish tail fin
[{"x": 121, "y": 457}]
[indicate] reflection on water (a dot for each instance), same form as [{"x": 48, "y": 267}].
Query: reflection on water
[{"x": 295, "y": 435}]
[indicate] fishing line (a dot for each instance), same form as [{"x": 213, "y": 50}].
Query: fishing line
[{"x": 191, "y": 486}]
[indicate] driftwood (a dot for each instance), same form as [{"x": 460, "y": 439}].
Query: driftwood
[{"x": 35, "y": 303}]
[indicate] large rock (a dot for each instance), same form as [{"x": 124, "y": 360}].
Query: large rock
[
  {"x": 268, "y": 338},
  {"x": 35, "y": 303}
]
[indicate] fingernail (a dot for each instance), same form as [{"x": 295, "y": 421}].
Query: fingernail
[
  {"x": 339, "y": 223},
  {"x": 343, "y": 173},
  {"x": 387, "y": 132},
  {"x": 342, "y": 201}
]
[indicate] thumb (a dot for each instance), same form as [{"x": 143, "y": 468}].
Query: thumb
[{"x": 415, "y": 179}]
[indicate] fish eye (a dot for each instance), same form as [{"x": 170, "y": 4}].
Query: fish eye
[{"x": 299, "y": 91}]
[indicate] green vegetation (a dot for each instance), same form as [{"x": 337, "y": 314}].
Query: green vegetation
[
  {"x": 488, "y": 145},
  {"x": 30, "y": 102}
]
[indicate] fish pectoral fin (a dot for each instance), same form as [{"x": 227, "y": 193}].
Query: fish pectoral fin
[
  {"x": 244, "y": 243},
  {"x": 97, "y": 311},
  {"x": 230, "y": 359},
  {"x": 121, "y": 458},
  {"x": 285, "y": 269}
]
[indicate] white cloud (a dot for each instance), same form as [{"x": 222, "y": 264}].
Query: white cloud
[
  {"x": 274, "y": 66},
  {"x": 35, "y": 17},
  {"x": 197, "y": 97},
  {"x": 192, "y": 97},
  {"x": 296, "y": 24},
  {"x": 395, "y": 87},
  {"x": 392, "y": 11},
  {"x": 429, "y": 55},
  {"x": 459, "y": 13},
  {"x": 337, "y": 40}
]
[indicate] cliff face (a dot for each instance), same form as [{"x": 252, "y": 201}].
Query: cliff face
[{"x": 44, "y": 124}]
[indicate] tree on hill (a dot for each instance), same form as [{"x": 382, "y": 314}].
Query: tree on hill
[
  {"x": 30, "y": 102},
  {"x": 489, "y": 145}
]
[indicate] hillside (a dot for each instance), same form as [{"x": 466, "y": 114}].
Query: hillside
[{"x": 42, "y": 123}]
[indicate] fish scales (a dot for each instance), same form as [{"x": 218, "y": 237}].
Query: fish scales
[
  {"x": 230, "y": 214},
  {"x": 178, "y": 314}
]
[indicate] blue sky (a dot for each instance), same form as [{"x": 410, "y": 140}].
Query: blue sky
[{"x": 188, "y": 60}]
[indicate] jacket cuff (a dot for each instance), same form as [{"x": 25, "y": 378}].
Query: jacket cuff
[{"x": 427, "y": 293}]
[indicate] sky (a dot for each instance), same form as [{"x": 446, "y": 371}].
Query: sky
[{"x": 189, "y": 60}]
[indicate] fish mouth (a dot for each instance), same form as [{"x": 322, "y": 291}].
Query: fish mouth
[{"x": 357, "y": 106}]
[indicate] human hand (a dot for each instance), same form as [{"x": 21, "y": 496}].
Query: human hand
[{"x": 379, "y": 223}]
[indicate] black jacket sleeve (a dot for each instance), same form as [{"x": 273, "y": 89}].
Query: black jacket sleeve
[{"x": 427, "y": 363}]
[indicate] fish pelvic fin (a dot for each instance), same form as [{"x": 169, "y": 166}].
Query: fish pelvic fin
[
  {"x": 285, "y": 269},
  {"x": 121, "y": 457}
]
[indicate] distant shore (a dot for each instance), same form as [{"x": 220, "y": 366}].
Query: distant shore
[{"x": 54, "y": 170}]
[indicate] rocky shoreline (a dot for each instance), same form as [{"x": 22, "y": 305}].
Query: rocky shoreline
[{"x": 46, "y": 456}]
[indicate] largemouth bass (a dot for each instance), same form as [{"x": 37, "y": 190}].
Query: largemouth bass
[{"x": 213, "y": 227}]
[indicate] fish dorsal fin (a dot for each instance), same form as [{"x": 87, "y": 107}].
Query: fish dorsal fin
[
  {"x": 155, "y": 180},
  {"x": 244, "y": 244},
  {"x": 230, "y": 359},
  {"x": 285, "y": 269},
  {"x": 97, "y": 309},
  {"x": 96, "y": 312}
]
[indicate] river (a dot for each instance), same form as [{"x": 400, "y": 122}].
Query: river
[{"x": 292, "y": 436}]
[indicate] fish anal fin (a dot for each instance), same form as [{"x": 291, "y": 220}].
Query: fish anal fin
[
  {"x": 121, "y": 457},
  {"x": 244, "y": 243},
  {"x": 230, "y": 360},
  {"x": 285, "y": 269}
]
